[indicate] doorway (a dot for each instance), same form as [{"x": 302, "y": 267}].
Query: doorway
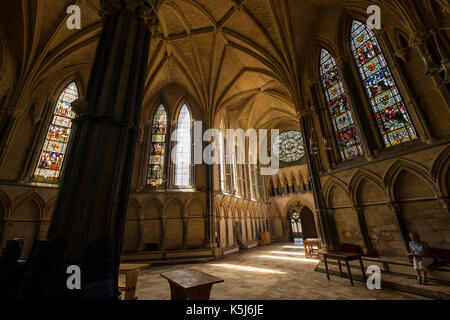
[{"x": 302, "y": 224}]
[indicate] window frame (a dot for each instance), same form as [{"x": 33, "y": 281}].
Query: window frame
[{"x": 51, "y": 114}]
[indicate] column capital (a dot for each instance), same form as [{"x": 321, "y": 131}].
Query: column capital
[
  {"x": 417, "y": 38},
  {"x": 314, "y": 81},
  {"x": 144, "y": 9},
  {"x": 341, "y": 60}
]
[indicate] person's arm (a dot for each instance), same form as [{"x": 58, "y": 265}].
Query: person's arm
[{"x": 428, "y": 252}]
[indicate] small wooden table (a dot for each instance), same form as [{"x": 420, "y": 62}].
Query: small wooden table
[
  {"x": 309, "y": 245},
  {"x": 190, "y": 284},
  {"x": 131, "y": 272},
  {"x": 347, "y": 257}
]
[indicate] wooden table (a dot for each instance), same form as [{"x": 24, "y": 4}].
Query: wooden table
[
  {"x": 309, "y": 245},
  {"x": 347, "y": 257},
  {"x": 131, "y": 272},
  {"x": 190, "y": 284}
]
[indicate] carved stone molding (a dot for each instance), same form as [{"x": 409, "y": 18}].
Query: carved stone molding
[
  {"x": 342, "y": 60},
  {"x": 418, "y": 37},
  {"x": 142, "y": 8}
]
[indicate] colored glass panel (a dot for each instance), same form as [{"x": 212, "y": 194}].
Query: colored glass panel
[
  {"x": 291, "y": 146},
  {"x": 183, "y": 155},
  {"x": 58, "y": 136},
  {"x": 348, "y": 141},
  {"x": 158, "y": 148},
  {"x": 393, "y": 120}
]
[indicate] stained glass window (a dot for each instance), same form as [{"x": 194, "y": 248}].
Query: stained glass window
[
  {"x": 392, "y": 117},
  {"x": 183, "y": 153},
  {"x": 58, "y": 136},
  {"x": 158, "y": 148},
  {"x": 291, "y": 146},
  {"x": 347, "y": 138}
]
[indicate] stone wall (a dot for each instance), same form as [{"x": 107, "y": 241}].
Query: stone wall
[{"x": 415, "y": 186}]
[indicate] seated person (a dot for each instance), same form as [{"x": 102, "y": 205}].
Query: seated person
[{"x": 421, "y": 257}]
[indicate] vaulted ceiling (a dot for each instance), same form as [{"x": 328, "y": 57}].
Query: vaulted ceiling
[{"x": 241, "y": 57}]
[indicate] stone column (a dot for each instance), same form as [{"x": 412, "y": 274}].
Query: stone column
[
  {"x": 8, "y": 126},
  {"x": 93, "y": 197},
  {"x": 365, "y": 127},
  {"x": 396, "y": 207},
  {"x": 363, "y": 227},
  {"x": 326, "y": 230}
]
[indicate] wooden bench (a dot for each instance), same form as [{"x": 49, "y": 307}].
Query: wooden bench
[{"x": 190, "y": 284}]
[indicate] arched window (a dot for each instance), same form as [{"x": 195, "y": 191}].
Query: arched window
[
  {"x": 158, "y": 148},
  {"x": 58, "y": 135},
  {"x": 394, "y": 122},
  {"x": 222, "y": 161},
  {"x": 235, "y": 174},
  {"x": 347, "y": 138},
  {"x": 291, "y": 146},
  {"x": 183, "y": 154}
]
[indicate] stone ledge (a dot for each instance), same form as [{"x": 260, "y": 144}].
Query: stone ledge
[{"x": 398, "y": 282}]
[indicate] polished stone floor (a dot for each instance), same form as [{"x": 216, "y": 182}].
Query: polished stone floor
[{"x": 278, "y": 272}]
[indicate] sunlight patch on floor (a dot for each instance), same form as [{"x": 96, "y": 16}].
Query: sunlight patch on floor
[
  {"x": 290, "y": 253},
  {"x": 246, "y": 268},
  {"x": 294, "y": 247},
  {"x": 290, "y": 259}
]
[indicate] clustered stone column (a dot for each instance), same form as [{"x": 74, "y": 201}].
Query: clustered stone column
[
  {"x": 93, "y": 197},
  {"x": 326, "y": 228}
]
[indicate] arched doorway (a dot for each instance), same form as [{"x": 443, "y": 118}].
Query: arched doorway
[
  {"x": 302, "y": 223},
  {"x": 308, "y": 224}
]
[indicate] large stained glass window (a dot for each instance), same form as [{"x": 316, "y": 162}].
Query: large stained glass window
[
  {"x": 183, "y": 154},
  {"x": 347, "y": 137},
  {"x": 58, "y": 135},
  {"x": 392, "y": 117},
  {"x": 158, "y": 148},
  {"x": 291, "y": 146}
]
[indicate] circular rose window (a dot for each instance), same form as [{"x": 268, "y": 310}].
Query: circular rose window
[{"x": 291, "y": 146}]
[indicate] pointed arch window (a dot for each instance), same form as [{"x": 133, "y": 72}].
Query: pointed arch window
[
  {"x": 58, "y": 136},
  {"x": 347, "y": 137},
  {"x": 222, "y": 159},
  {"x": 183, "y": 153},
  {"x": 388, "y": 107},
  {"x": 158, "y": 149}
]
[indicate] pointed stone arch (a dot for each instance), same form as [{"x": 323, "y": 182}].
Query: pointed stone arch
[
  {"x": 329, "y": 188},
  {"x": 357, "y": 183},
  {"x": 401, "y": 166},
  {"x": 440, "y": 171}
]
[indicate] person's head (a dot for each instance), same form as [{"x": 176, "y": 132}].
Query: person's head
[{"x": 414, "y": 236}]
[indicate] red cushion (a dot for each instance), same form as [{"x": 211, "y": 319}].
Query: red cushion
[
  {"x": 442, "y": 254},
  {"x": 351, "y": 248}
]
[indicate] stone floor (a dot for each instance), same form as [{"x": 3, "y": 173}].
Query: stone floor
[{"x": 278, "y": 272}]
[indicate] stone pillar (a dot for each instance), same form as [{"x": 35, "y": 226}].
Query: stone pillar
[
  {"x": 8, "y": 126},
  {"x": 162, "y": 239},
  {"x": 211, "y": 215},
  {"x": 363, "y": 227},
  {"x": 4, "y": 228},
  {"x": 359, "y": 107},
  {"x": 398, "y": 215},
  {"x": 445, "y": 203},
  {"x": 326, "y": 230},
  {"x": 93, "y": 197}
]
